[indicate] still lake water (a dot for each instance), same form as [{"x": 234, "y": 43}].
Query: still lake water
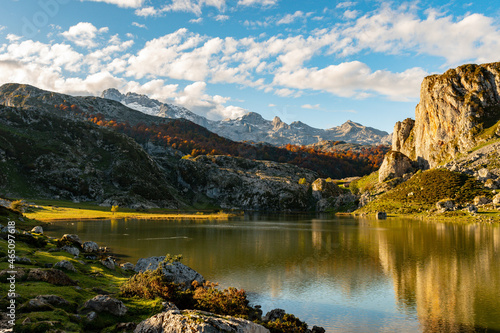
[{"x": 345, "y": 274}]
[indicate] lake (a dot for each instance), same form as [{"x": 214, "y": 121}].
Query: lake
[{"x": 342, "y": 273}]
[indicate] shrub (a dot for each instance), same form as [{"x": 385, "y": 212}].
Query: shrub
[
  {"x": 289, "y": 323},
  {"x": 231, "y": 301}
]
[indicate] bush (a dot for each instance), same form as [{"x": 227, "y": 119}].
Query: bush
[
  {"x": 289, "y": 323},
  {"x": 232, "y": 302}
]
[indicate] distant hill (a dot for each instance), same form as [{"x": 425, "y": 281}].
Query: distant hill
[{"x": 253, "y": 127}]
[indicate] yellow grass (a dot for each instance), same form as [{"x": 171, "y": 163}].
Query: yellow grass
[{"x": 68, "y": 211}]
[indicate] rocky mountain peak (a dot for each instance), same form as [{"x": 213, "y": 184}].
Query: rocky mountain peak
[
  {"x": 252, "y": 118},
  {"x": 112, "y": 94}
]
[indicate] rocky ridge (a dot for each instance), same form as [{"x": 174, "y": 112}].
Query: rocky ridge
[{"x": 252, "y": 126}]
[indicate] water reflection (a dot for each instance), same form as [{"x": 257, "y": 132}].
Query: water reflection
[{"x": 344, "y": 274}]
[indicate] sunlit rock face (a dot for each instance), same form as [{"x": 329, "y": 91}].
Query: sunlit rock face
[{"x": 454, "y": 109}]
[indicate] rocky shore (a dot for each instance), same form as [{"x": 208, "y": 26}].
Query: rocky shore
[{"x": 70, "y": 285}]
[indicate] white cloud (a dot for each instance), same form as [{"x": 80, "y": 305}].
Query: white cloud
[
  {"x": 221, "y": 18},
  {"x": 84, "y": 34},
  {"x": 355, "y": 79},
  {"x": 351, "y": 14},
  {"x": 311, "y": 107},
  {"x": 143, "y": 26},
  {"x": 197, "y": 20},
  {"x": 147, "y": 11},
  {"x": 290, "y": 18},
  {"x": 346, "y": 4},
  {"x": 13, "y": 38},
  {"x": 474, "y": 37},
  {"x": 257, "y": 2},
  {"x": 122, "y": 3}
]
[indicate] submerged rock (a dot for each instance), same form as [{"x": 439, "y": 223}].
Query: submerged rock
[{"x": 197, "y": 321}]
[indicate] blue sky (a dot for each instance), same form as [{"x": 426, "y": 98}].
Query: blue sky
[{"x": 320, "y": 62}]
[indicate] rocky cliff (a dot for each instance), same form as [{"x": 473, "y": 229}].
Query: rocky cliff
[{"x": 457, "y": 110}]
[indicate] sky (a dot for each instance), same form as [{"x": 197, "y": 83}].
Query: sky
[{"x": 316, "y": 61}]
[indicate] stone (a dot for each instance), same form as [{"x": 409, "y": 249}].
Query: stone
[
  {"x": 35, "y": 305},
  {"x": 90, "y": 247},
  {"x": 52, "y": 300},
  {"x": 105, "y": 303},
  {"x": 445, "y": 205},
  {"x": 175, "y": 272},
  {"x": 37, "y": 230},
  {"x": 325, "y": 189},
  {"x": 71, "y": 250},
  {"x": 481, "y": 200},
  {"x": 70, "y": 239},
  {"x": 483, "y": 174},
  {"x": 395, "y": 165},
  {"x": 22, "y": 260},
  {"x": 471, "y": 209},
  {"x": 128, "y": 266},
  {"x": 64, "y": 264},
  {"x": 109, "y": 263},
  {"x": 197, "y": 321},
  {"x": 168, "y": 306},
  {"x": 317, "y": 329},
  {"x": 91, "y": 316},
  {"x": 273, "y": 315},
  {"x": 491, "y": 184},
  {"x": 496, "y": 199},
  {"x": 381, "y": 215},
  {"x": 51, "y": 275}
]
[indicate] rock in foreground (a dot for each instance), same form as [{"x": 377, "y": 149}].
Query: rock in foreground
[
  {"x": 175, "y": 271},
  {"x": 174, "y": 321}
]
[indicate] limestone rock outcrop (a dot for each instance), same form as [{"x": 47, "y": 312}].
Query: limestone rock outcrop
[
  {"x": 454, "y": 108},
  {"x": 395, "y": 165}
]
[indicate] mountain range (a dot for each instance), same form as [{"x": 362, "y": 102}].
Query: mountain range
[{"x": 252, "y": 126}]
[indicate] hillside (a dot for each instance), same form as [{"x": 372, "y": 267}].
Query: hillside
[
  {"x": 252, "y": 126},
  {"x": 56, "y": 156},
  {"x": 455, "y": 134}
]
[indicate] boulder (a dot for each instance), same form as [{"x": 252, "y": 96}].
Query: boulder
[
  {"x": 105, "y": 303},
  {"x": 197, "y": 321},
  {"x": 496, "y": 199},
  {"x": 128, "y": 266},
  {"x": 52, "y": 300},
  {"x": 273, "y": 315},
  {"x": 37, "y": 230},
  {"x": 70, "y": 239},
  {"x": 471, "y": 209},
  {"x": 481, "y": 200},
  {"x": 395, "y": 165},
  {"x": 71, "y": 250},
  {"x": 483, "y": 174},
  {"x": 445, "y": 205},
  {"x": 381, "y": 215},
  {"x": 90, "y": 247},
  {"x": 109, "y": 263},
  {"x": 325, "y": 189},
  {"x": 175, "y": 271},
  {"x": 64, "y": 264},
  {"x": 51, "y": 275}
]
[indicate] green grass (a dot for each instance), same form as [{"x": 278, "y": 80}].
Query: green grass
[
  {"x": 365, "y": 183},
  {"x": 424, "y": 189}
]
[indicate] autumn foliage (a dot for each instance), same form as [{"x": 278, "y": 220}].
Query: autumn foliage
[{"x": 195, "y": 140}]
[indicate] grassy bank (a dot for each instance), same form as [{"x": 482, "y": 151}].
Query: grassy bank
[
  {"x": 142, "y": 294},
  {"x": 52, "y": 210}
]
